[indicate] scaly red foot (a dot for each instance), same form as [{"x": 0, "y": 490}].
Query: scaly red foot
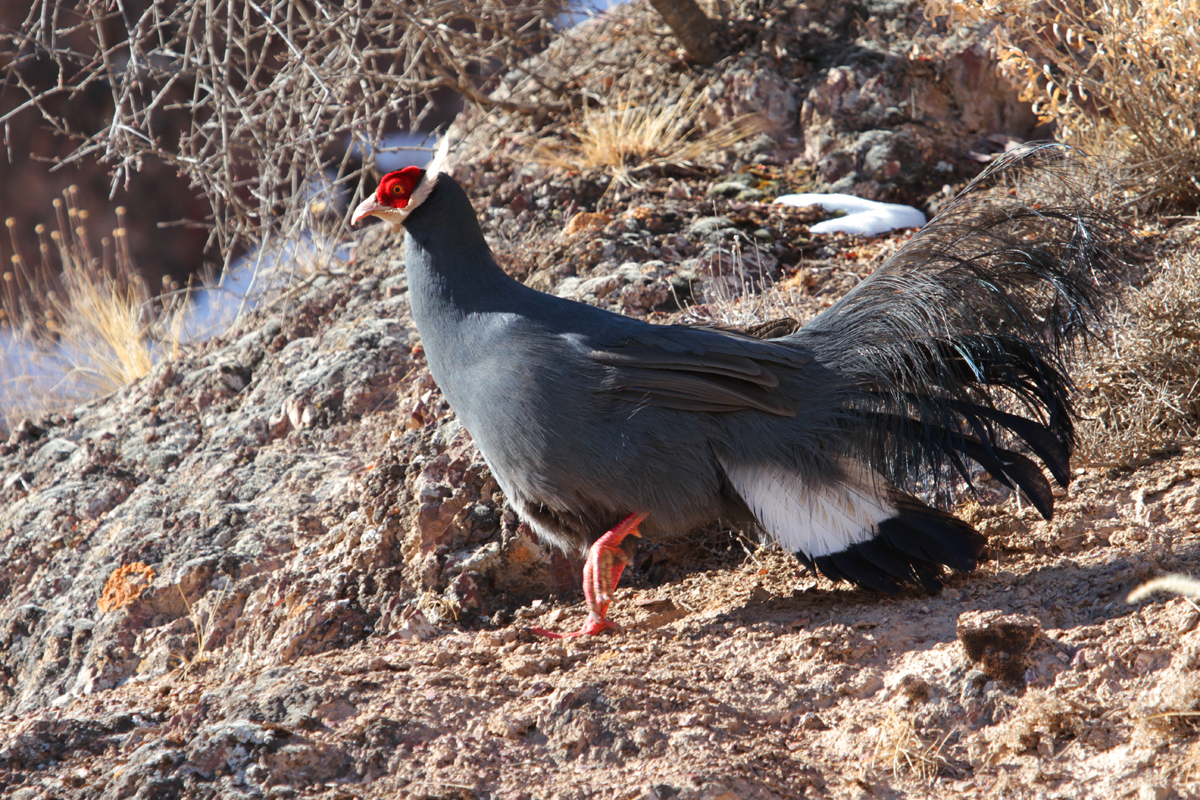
[{"x": 605, "y": 558}]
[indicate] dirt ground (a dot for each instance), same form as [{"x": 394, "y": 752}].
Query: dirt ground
[
  {"x": 741, "y": 677},
  {"x": 736, "y": 674}
]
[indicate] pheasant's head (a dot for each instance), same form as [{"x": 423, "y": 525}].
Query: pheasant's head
[{"x": 398, "y": 194}]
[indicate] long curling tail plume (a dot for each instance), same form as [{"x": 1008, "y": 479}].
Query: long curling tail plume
[{"x": 955, "y": 350}]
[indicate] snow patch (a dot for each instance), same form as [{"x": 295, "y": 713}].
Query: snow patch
[{"x": 863, "y": 217}]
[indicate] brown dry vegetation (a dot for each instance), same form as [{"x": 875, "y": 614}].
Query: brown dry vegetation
[
  {"x": 626, "y": 136},
  {"x": 1117, "y": 76},
  {"x": 1143, "y": 386},
  {"x": 82, "y": 320}
]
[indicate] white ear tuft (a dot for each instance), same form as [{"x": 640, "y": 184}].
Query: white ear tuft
[
  {"x": 435, "y": 169},
  {"x": 441, "y": 159}
]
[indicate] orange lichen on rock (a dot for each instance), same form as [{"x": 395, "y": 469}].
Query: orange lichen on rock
[
  {"x": 125, "y": 585},
  {"x": 586, "y": 221}
]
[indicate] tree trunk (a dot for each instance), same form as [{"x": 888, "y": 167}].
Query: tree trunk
[{"x": 691, "y": 27}]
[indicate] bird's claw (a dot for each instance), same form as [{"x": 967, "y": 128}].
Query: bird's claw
[
  {"x": 605, "y": 557},
  {"x": 597, "y": 590},
  {"x": 591, "y": 626}
]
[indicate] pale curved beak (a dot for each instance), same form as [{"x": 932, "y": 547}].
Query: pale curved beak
[{"x": 365, "y": 209}]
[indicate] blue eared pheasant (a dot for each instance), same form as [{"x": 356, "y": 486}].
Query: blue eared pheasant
[{"x": 598, "y": 426}]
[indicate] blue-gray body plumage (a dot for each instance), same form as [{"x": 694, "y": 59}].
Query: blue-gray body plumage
[{"x": 819, "y": 435}]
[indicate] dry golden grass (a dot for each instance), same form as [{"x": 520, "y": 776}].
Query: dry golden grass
[
  {"x": 625, "y": 136},
  {"x": 202, "y": 624},
  {"x": 1118, "y": 76},
  {"x": 88, "y": 319},
  {"x": 1041, "y": 721},
  {"x": 901, "y": 750},
  {"x": 102, "y": 320}
]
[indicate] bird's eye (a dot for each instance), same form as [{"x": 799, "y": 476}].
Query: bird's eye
[{"x": 397, "y": 189}]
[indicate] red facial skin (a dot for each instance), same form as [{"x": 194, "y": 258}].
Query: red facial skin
[
  {"x": 396, "y": 188},
  {"x": 392, "y": 197}
]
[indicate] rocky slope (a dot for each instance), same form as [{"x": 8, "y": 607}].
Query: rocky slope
[{"x": 278, "y": 567}]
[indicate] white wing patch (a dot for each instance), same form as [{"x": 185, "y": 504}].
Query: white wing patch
[{"x": 816, "y": 520}]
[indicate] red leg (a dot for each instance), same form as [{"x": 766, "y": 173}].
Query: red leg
[{"x": 601, "y": 571}]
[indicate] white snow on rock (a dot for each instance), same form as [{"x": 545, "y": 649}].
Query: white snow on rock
[{"x": 863, "y": 217}]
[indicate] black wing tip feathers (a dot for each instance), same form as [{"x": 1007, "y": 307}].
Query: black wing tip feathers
[{"x": 913, "y": 548}]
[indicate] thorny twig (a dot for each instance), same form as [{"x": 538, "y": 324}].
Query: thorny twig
[{"x": 252, "y": 100}]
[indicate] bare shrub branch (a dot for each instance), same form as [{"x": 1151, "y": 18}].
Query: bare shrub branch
[
  {"x": 252, "y": 99},
  {"x": 1118, "y": 75}
]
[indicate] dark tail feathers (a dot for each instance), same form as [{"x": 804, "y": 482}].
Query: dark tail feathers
[
  {"x": 955, "y": 351},
  {"x": 955, "y": 348},
  {"x": 911, "y": 547}
]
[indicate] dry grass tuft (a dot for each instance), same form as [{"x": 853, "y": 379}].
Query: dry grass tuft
[
  {"x": 85, "y": 322},
  {"x": 203, "y": 625},
  {"x": 754, "y": 306},
  {"x": 1170, "y": 711},
  {"x": 1116, "y": 75},
  {"x": 901, "y": 750},
  {"x": 1040, "y": 721},
  {"x": 102, "y": 321},
  {"x": 1143, "y": 393},
  {"x": 439, "y": 609},
  {"x": 624, "y": 137}
]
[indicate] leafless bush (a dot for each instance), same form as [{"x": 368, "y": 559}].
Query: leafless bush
[
  {"x": 1116, "y": 75},
  {"x": 253, "y": 100}
]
